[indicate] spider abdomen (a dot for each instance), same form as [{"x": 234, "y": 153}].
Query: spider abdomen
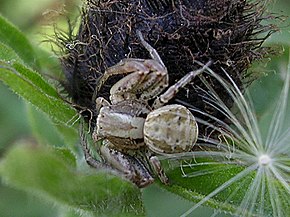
[{"x": 170, "y": 129}]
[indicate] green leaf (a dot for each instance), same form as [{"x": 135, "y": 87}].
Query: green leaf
[
  {"x": 16, "y": 203},
  {"x": 34, "y": 89},
  {"x": 25, "y": 81},
  {"x": 13, "y": 121},
  {"x": 37, "y": 79},
  {"x": 44, "y": 133},
  {"x": 202, "y": 180},
  {"x": 198, "y": 187},
  {"x": 52, "y": 173},
  {"x": 162, "y": 203},
  {"x": 50, "y": 133},
  {"x": 13, "y": 38},
  {"x": 8, "y": 54},
  {"x": 11, "y": 60}
]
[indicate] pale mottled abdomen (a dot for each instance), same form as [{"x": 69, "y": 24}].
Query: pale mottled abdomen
[{"x": 170, "y": 129}]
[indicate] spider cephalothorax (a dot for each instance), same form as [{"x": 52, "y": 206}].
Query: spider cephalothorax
[{"x": 132, "y": 127}]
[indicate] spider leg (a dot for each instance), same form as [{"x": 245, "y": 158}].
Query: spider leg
[
  {"x": 118, "y": 163},
  {"x": 153, "y": 53},
  {"x": 86, "y": 150},
  {"x": 156, "y": 166},
  {"x": 130, "y": 167},
  {"x": 174, "y": 89},
  {"x": 143, "y": 84},
  {"x": 101, "y": 102},
  {"x": 125, "y": 66}
]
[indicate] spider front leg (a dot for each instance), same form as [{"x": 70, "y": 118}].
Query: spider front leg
[
  {"x": 147, "y": 78},
  {"x": 144, "y": 74},
  {"x": 174, "y": 89},
  {"x": 139, "y": 84},
  {"x": 125, "y": 66}
]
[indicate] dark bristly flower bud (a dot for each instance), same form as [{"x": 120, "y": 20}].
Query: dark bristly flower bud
[{"x": 228, "y": 32}]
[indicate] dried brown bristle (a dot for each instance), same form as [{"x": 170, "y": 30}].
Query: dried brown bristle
[{"x": 228, "y": 32}]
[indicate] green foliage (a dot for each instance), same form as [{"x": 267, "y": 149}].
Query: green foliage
[
  {"x": 25, "y": 81},
  {"x": 52, "y": 173},
  {"x": 196, "y": 188},
  {"x": 12, "y": 37}
]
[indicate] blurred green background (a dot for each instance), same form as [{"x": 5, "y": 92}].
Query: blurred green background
[{"x": 34, "y": 17}]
